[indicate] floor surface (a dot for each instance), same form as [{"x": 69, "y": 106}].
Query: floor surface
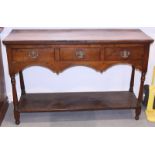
[{"x": 109, "y": 118}]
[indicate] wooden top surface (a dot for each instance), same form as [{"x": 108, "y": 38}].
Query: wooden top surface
[{"x": 56, "y": 36}]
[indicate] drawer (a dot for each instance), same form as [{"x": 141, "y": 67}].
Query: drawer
[
  {"x": 123, "y": 53},
  {"x": 79, "y": 54},
  {"x": 33, "y": 54}
]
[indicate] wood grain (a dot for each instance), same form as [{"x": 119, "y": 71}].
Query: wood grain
[
  {"x": 76, "y": 101},
  {"x": 61, "y": 49},
  {"x": 61, "y": 36}
]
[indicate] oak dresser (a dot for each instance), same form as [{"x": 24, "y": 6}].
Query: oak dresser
[
  {"x": 3, "y": 96},
  {"x": 59, "y": 49}
]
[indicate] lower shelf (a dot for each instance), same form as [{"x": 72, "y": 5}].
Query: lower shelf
[{"x": 50, "y": 102}]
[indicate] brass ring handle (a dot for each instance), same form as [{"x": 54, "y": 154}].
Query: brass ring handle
[
  {"x": 80, "y": 54},
  {"x": 125, "y": 54},
  {"x": 33, "y": 54}
]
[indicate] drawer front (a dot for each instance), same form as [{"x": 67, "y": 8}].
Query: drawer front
[
  {"x": 123, "y": 53},
  {"x": 79, "y": 54},
  {"x": 33, "y": 55}
]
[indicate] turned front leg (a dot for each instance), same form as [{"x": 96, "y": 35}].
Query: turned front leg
[
  {"x": 15, "y": 100},
  {"x": 22, "y": 85},
  {"x": 132, "y": 79},
  {"x": 140, "y": 96}
]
